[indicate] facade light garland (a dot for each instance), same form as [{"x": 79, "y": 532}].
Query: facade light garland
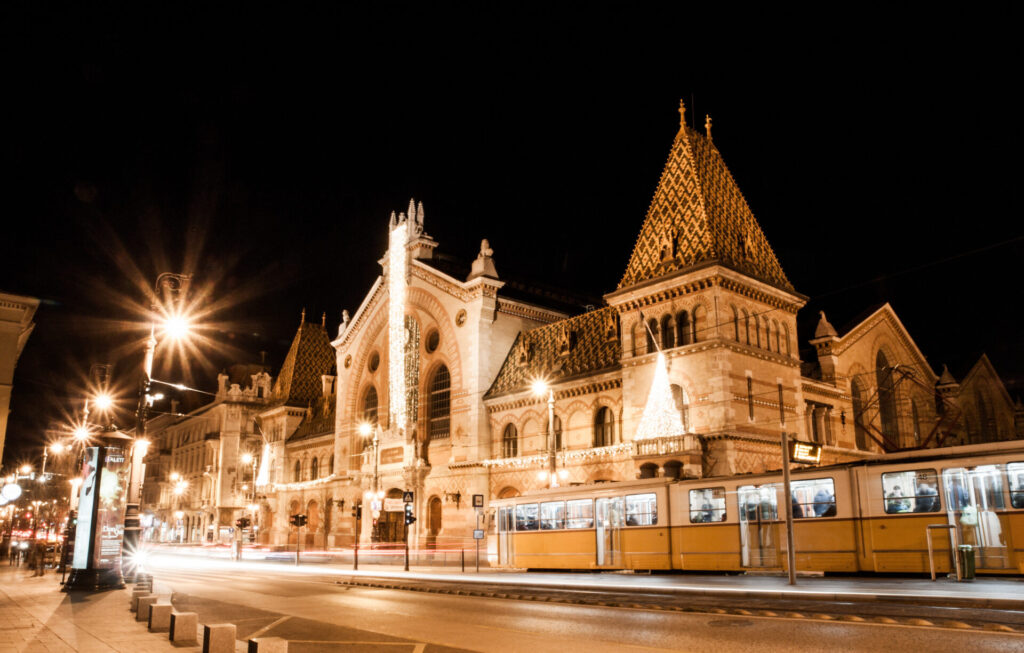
[
  {"x": 661, "y": 417},
  {"x": 304, "y": 485},
  {"x": 573, "y": 456},
  {"x": 397, "y": 271}
]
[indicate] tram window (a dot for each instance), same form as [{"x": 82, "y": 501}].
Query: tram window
[
  {"x": 641, "y": 510},
  {"x": 911, "y": 491},
  {"x": 552, "y": 515},
  {"x": 814, "y": 498},
  {"x": 1015, "y": 472},
  {"x": 580, "y": 514},
  {"x": 526, "y": 517},
  {"x": 707, "y": 505},
  {"x": 758, "y": 503}
]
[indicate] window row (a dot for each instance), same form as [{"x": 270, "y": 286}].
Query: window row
[
  {"x": 967, "y": 490},
  {"x": 631, "y": 510},
  {"x": 761, "y": 332},
  {"x": 316, "y": 469},
  {"x": 603, "y": 436}
]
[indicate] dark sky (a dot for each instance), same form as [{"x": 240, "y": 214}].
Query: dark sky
[{"x": 263, "y": 153}]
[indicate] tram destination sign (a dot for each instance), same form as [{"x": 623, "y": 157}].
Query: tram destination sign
[{"x": 804, "y": 452}]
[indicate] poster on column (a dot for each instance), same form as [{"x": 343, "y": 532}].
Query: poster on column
[
  {"x": 86, "y": 496},
  {"x": 110, "y": 515}
]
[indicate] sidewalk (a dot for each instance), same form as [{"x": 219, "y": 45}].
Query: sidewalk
[{"x": 37, "y": 617}]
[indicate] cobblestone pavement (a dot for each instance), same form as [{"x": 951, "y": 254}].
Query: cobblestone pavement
[{"x": 37, "y": 617}]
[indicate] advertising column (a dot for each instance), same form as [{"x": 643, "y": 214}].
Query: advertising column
[{"x": 96, "y": 564}]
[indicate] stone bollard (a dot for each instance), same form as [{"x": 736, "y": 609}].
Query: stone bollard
[
  {"x": 160, "y": 617},
  {"x": 268, "y": 645},
  {"x": 184, "y": 627},
  {"x": 219, "y": 638},
  {"x": 136, "y": 595},
  {"x": 142, "y": 614}
]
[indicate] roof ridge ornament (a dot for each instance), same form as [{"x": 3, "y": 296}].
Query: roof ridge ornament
[
  {"x": 682, "y": 115},
  {"x": 302, "y": 317},
  {"x": 707, "y": 125}
]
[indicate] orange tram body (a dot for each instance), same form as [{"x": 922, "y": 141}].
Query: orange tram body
[{"x": 865, "y": 516}]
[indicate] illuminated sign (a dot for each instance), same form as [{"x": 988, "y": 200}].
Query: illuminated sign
[{"x": 804, "y": 452}]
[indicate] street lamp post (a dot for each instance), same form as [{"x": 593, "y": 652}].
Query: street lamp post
[{"x": 539, "y": 388}]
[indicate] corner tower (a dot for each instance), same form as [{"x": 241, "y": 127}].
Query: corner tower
[{"x": 704, "y": 287}]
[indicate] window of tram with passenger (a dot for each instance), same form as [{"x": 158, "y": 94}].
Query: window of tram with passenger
[
  {"x": 914, "y": 490},
  {"x": 1015, "y": 474},
  {"x": 707, "y": 505},
  {"x": 814, "y": 497}
]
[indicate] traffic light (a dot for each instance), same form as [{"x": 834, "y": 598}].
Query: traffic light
[
  {"x": 242, "y": 522},
  {"x": 357, "y": 511},
  {"x": 409, "y": 518},
  {"x": 297, "y": 520}
]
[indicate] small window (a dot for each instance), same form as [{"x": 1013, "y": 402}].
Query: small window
[
  {"x": 526, "y": 517},
  {"x": 510, "y": 442},
  {"x": 911, "y": 491},
  {"x": 641, "y": 510},
  {"x": 432, "y": 341},
  {"x": 1015, "y": 473},
  {"x": 374, "y": 362},
  {"x": 552, "y": 515},
  {"x": 707, "y": 505},
  {"x": 814, "y": 498},
  {"x": 580, "y": 514}
]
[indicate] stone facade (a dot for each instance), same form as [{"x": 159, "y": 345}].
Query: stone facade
[{"x": 16, "y": 313}]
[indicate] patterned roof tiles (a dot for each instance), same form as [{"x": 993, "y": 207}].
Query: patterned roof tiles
[
  {"x": 309, "y": 357},
  {"x": 698, "y": 214},
  {"x": 580, "y": 345}
]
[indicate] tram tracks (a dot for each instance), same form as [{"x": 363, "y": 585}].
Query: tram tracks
[{"x": 902, "y": 614}]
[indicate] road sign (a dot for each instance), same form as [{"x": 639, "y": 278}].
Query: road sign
[
  {"x": 375, "y": 505},
  {"x": 478, "y": 534},
  {"x": 478, "y": 501},
  {"x": 394, "y": 505},
  {"x": 407, "y": 497}
]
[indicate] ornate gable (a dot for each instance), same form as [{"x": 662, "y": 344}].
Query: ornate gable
[
  {"x": 697, "y": 215},
  {"x": 569, "y": 348}
]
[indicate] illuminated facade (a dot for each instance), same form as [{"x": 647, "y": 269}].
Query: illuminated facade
[{"x": 16, "y": 313}]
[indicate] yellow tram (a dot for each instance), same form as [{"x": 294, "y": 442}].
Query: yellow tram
[{"x": 871, "y": 515}]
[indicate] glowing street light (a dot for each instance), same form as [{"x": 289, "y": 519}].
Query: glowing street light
[
  {"x": 177, "y": 327},
  {"x": 103, "y": 402}
]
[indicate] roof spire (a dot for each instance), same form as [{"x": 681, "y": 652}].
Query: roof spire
[
  {"x": 682, "y": 114},
  {"x": 707, "y": 124},
  {"x": 302, "y": 318},
  {"x": 323, "y": 320}
]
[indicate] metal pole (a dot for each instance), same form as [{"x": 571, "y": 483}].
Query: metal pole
[
  {"x": 791, "y": 548},
  {"x": 552, "y": 478},
  {"x": 406, "y": 547},
  {"x": 298, "y": 545}
]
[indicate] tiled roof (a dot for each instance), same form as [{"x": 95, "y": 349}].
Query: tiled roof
[
  {"x": 698, "y": 214},
  {"x": 319, "y": 420},
  {"x": 578, "y": 346},
  {"x": 309, "y": 357}
]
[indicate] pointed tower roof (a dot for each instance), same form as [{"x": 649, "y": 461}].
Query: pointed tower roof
[
  {"x": 699, "y": 215},
  {"x": 309, "y": 357},
  {"x": 946, "y": 378}
]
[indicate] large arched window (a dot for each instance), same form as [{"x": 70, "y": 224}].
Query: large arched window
[
  {"x": 370, "y": 405},
  {"x": 314, "y": 469},
  {"x": 298, "y": 471},
  {"x": 604, "y": 427},
  {"x": 886, "y": 398},
  {"x": 439, "y": 404},
  {"x": 510, "y": 442},
  {"x": 684, "y": 328},
  {"x": 668, "y": 332},
  {"x": 652, "y": 333},
  {"x": 857, "y": 395}
]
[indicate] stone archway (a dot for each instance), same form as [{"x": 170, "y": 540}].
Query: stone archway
[
  {"x": 390, "y": 526},
  {"x": 508, "y": 492},
  {"x": 434, "y": 512}
]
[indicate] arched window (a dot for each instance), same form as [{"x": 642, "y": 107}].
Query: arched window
[
  {"x": 330, "y": 468},
  {"x": 736, "y": 324},
  {"x": 510, "y": 442},
  {"x": 778, "y": 337},
  {"x": 558, "y": 433},
  {"x": 370, "y": 405},
  {"x": 668, "y": 332},
  {"x": 699, "y": 325},
  {"x": 439, "y": 406},
  {"x": 684, "y": 328},
  {"x": 652, "y": 333},
  {"x": 857, "y": 395},
  {"x": 886, "y": 398},
  {"x": 757, "y": 331},
  {"x": 746, "y": 326},
  {"x": 604, "y": 427},
  {"x": 682, "y": 405},
  {"x": 314, "y": 469},
  {"x": 785, "y": 336},
  {"x": 649, "y": 470},
  {"x": 768, "y": 334},
  {"x": 298, "y": 471}
]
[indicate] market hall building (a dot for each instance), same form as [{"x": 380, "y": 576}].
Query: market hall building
[{"x": 690, "y": 369}]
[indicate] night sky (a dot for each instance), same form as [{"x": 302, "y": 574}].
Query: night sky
[{"x": 264, "y": 153}]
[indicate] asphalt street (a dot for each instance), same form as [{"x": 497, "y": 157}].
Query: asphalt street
[{"x": 316, "y": 613}]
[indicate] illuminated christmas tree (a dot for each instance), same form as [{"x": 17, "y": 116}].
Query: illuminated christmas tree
[{"x": 661, "y": 417}]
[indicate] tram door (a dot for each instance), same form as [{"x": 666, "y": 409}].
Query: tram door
[
  {"x": 759, "y": 529},
  {"x": 974, "y": 497},
  {"x": 506, "y": 551},
  {"x": 608, "y": 528}
]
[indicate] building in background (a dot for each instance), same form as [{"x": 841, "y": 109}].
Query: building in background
[{"x": 16, "y": 313}]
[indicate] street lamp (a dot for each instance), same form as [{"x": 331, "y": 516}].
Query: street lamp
[{"x": 540, "y": 388}]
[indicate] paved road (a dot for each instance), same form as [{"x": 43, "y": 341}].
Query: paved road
[{"x": 312, "y": 611}]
